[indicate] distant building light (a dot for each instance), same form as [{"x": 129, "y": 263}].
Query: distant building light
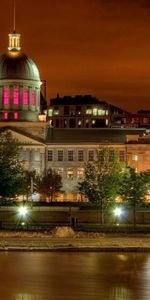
[
  {"x": 15, "y": 115},
  {"x": 93, "y": 121},
  {"x": 135, "y": 157},
  {"x": 42, "y": 118},
  {"x": 50, "y": 112},
  {"x": 5, "y": 115},
  {"x": 95, "y": 111},
  {"x": 101, "y": 112},
  {"x": 88, "y": 111},
  {"x": 106, "y": 121}
]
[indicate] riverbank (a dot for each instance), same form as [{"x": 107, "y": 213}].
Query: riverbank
[{"x": 47, "y": 241}]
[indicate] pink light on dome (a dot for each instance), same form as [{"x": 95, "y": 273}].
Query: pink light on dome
[
  {"x": 6, "y": 96},
  {"x": 15, "y": 115},
  {"x": 33, "y": 98},
  {"x": 16, "y": 96},
  {"x": 5, "y": 115},
  {"x": 25, "y": 97}
]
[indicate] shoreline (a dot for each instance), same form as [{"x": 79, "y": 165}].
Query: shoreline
[
  {"x": 77, "y": 249},
  {"x": 80, "y": 242}
]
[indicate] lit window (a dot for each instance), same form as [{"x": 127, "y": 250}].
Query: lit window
[
  {"x": 16, "y": 96},
  {"x": 80, "y": 155},
  {"x": 122, "y": 155},
  {"x": 50, "y": 112},
  {"x": 25, "y": 97},
  {"x": 6, "y": 95},
  {"x": 15, "y": 115},
  {"x": 50, "y": 155},
  {"x": 70, "y": 173},
  {"x": 56, "y": 111},
  {"x": 91, "y": 155},
  {"x": 70, "y": 155},
  {"x": 135, "y": 157},
  {"x": 5, "y": 116},
  {"x": 45, "y": 112},
  {"x": 79, "y": 123},
  {"x": 94, "y": 111},
  {"x": 80, "y": 173},
  {"x": 106, "y": 121},
  {"x": 33, "y": 99},
  {"x": 88, "y": 111},
  {"x": 60, "y": 171},
  {"x": 60, "y": 155},
  {"x": 101, "y": 112}
]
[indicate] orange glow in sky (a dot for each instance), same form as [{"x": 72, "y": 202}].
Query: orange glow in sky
[{"x": 98, "y": 47}]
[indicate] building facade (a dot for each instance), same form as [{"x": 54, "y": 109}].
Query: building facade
[{"x": 74, "y": 130}]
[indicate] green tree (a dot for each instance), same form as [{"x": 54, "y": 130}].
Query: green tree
[
  {"x": 134, "y": 188},
  {"x": 30, "y": 183},
  {"x": 49, "y": 186},
  {"x": 10, "y": 167},
  {"x": 102, "y": 180}
]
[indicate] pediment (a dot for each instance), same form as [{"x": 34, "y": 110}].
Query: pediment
[{"x": 24, "y": 138}]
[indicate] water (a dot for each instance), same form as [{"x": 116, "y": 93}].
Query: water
[{"x": 74, "y": 276}]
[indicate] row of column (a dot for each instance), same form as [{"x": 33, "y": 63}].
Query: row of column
[{"x": 20, "y": 106}]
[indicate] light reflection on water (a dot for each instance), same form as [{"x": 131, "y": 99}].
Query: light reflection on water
[{"x": 74, "y": 276}]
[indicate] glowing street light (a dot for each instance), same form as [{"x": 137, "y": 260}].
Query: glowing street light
[
  {"x": 23, "y": 211},
  {"x": 118, "y": 211}
]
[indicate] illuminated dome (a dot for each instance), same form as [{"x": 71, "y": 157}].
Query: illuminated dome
[
  {"x": 19, "y": 84},
  {"x": 14, "y": 65}
]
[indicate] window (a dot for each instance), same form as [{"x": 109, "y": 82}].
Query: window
[
  {"x": 122, "y": 155},
  {"x": 111, "y": 155},
  {"x": 66, "y": 110},
  {"x": 16, "y": 96},
  {"x": 36, "y": 155},
  {"x": 80, "y": 173},
  {"x": 89, "y": 110},
  {"x": 94, "y": 111},
  {"x": 78, "y": 110},
  {"x": 60, "y": 171},
  {"x": 6, "y": 95},
  {"x": 101, "y": 112},
  {"x": 50, "y": 112},
  {"x": 50, "y": 155},
  {"x": 80, "y": 155},
  {"x": 91, "y": 155},
  {"x": 70, "y": 173},
  {"x": 56, "y": 111},
  {"x": 70, "y": 155},
  {"x": 5, "y": 115},
  {"x": 135, "y": 157},
  {"x": 33, "y": 99},
  {"x": 60, "y": 155},
  {"x": 79, "y": 124},
  {"x": 25, "y": 97},
  {"x": 15, "y": 115}
]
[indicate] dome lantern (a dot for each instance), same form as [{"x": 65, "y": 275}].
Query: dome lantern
[{"x": 14, "y": 42}]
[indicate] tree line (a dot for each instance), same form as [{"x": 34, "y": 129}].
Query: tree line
[{"x": 106, "y": 179}]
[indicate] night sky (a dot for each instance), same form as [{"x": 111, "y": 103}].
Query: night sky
[{"x": 98, "y": 47}]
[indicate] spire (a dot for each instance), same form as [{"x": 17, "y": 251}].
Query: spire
[
  {"x": 14, "y": 15},
  {"x": 14, "y": 38}
]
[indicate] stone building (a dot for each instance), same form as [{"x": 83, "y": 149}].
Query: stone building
[{"x": 64, "y": 149}]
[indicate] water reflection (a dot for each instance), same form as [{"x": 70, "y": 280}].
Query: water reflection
[
  {"x": 27, "y": 297},
  {"x": 74, "y": 276}
]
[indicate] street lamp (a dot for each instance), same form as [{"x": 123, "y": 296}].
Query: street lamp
[
  {"x": 118, "y": 212},
  {"x": 23, "y": 211}
]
